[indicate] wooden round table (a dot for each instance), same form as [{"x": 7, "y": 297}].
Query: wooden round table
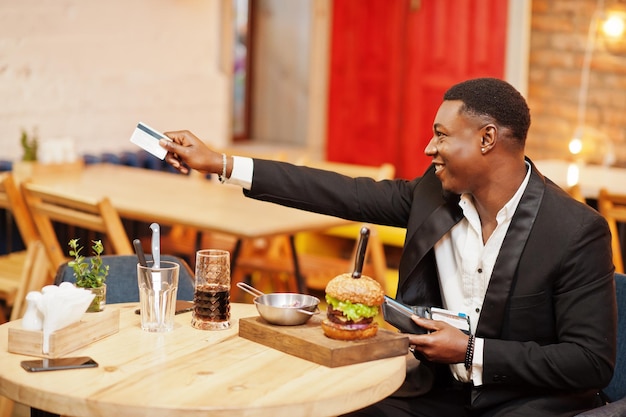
[{"x": 192, "y": 372}]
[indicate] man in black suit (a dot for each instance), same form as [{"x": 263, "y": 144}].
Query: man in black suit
[{"x": 487, "y": 235}]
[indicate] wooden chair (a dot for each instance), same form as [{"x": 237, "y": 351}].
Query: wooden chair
[
  {"x": 275, "y": 260},
  {"x": 613, "y": 208},
  {"x": 13, "y": 265},
  {"x": 34, "y": 277},
  {"x": 381, "y": 239},
  {"x": 99, "y": 216},
  {"x": 21, "y": 271},
  {"x": 576, "y": 193},
  {"x": 12, "y": 200}
]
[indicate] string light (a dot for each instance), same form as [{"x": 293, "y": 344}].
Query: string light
[
  {"x": 614, "y": 25},
  {"x": 575, "y": 146}
]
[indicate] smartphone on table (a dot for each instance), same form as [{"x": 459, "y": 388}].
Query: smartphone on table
[{"x": 40, "y": 365}]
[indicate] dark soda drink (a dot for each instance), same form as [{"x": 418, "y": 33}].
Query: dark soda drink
[{"x": 211, "y": 307}]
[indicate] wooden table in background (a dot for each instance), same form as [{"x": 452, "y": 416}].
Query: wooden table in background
[
  {"x": 590, "y": 178},
  {"x": 190, "y": 373},
  {"x": 173, "y": 199},
  {"x": 167, "y": 198}
]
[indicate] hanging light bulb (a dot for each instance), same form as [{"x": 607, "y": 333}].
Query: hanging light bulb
[
  {"x": 576, "y": 144},
  {"x": 587, "y": 143},
  {"x": 614, "y": 25}
]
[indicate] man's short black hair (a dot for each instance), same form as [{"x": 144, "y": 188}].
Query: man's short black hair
[{"x": 494, "y": 98}]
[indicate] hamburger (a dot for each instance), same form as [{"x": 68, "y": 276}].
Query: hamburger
[{"x": 352, "y": 305}]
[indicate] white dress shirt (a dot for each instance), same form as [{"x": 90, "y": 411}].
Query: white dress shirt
[
  {"x": 465, "y": 265},
  {"x": 242, "y": 172}
]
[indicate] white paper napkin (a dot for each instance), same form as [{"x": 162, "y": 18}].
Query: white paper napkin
[{"x": 60, "y": 307}]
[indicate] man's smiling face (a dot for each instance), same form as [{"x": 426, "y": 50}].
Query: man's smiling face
[{"x": 456, "y": 148}]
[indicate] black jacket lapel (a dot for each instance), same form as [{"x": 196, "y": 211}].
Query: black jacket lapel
[
  {"x": 434, "y": 216},
  {"x": 501, "y": 282}
]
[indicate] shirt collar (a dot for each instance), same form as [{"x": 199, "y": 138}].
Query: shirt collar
[{"x": 506, "y": 213}]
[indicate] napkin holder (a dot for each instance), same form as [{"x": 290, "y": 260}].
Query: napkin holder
[{"x": 91, "y": 328}]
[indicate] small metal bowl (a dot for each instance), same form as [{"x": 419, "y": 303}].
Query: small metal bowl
[
  {"x": 283, "y": 308},
  {"x": 286, "y": 309}
]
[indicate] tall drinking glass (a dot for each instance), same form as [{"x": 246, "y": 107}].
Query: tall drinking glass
[
  {"x": 157, "y": 295},
  {"x": 212, "y": 290}
]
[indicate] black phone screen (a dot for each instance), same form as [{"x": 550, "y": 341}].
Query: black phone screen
[{"x": 39, "y": 365}]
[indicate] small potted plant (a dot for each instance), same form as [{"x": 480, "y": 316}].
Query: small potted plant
[
  {"x": 91, "y": 275},
  {"x": 30, "y": 146},
  {"x": 25, "y": 166}
]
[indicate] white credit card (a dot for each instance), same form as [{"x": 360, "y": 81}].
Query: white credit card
[{"x": 147, "y": 138}]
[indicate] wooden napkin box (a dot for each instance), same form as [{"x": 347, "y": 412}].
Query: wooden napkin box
[{"x": 92, "y": 327}]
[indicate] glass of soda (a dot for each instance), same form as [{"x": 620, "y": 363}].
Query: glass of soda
[{"x": 211, "y": 299}]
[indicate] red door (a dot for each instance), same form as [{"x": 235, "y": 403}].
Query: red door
[{"x": 391, "y": 62}]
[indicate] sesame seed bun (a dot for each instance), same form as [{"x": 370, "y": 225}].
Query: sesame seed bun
[{"x": 362, "y": 290}]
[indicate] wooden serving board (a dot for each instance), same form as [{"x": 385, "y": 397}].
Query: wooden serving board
[{"x": 308, "y": 341}]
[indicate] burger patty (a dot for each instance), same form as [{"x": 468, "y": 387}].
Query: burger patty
[{"x": 336, "y": 316}]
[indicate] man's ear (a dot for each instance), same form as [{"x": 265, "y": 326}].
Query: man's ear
[{"x": 489, "y": 134}]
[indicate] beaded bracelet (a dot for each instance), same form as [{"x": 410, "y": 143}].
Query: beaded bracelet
[
  {"x": 222, "y": 177},
  {"x": 469, "y": 353}
]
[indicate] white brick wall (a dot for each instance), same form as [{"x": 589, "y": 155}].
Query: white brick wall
[{"x": 91, "y": 69}]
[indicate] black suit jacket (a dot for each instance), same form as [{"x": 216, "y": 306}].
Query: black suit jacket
[{"x": 549, "y": 314}]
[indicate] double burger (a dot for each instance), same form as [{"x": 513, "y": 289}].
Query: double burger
[{"x": 352, "y": 305}]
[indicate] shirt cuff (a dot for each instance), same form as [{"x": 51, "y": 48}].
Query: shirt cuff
[
  {"x": 242, "y": 172},
  {"x": 477, "y": 362}
]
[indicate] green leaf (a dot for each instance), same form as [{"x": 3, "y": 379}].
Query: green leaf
[
  {"x": 353, "y": 311},
  {"x": 92, "y": 274}
]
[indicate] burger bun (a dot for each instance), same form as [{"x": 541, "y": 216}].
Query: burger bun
[
  {"x": 364, "y": 290},
  {"x": 339, "y": 332}
]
